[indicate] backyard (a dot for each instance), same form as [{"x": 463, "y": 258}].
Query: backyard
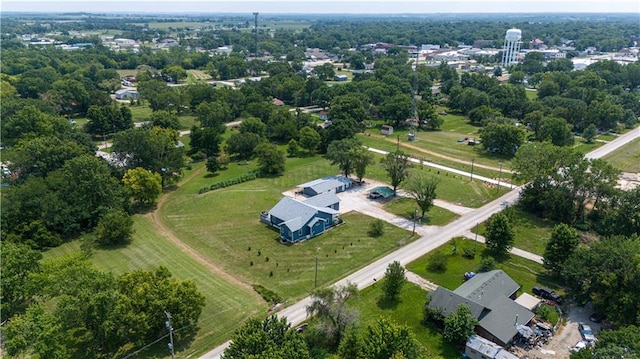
[
  {"x": 407, "y": 310},
  {"x": 525, "y": 272}
]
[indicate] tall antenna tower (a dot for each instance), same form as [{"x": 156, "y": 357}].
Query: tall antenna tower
[{"x": 255, "y": 30}]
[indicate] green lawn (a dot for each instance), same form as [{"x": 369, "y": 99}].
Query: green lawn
[
  {"x": 525, "y": 272},
  {"x": 227, "y": 305},
  {"x": 532, "y": 232},
  {"x": 391, "y": 146},
  {"x": 140, "y": 112},
  {"x": 404, "y": 207},
  {"x": 531, "y": 95},
  {"x": 224, "y": 227},
  {"x": 407, "y": 311},
  {"x": 627, "y": 157},
  {"x": 451, "y": 188}
]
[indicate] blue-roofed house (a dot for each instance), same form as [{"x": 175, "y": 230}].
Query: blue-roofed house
[
  {"x": 331, "y": 184},
  {"x": 299, "y": 220}
]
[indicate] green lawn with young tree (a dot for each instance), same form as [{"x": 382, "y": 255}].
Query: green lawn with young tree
[
  {"x": 407, "y": 310},
  {"x": 404, "y": 207},
  {"x": 525, "y": 272}
]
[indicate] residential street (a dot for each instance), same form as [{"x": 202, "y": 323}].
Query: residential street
[{"x": 296, "y": 313}]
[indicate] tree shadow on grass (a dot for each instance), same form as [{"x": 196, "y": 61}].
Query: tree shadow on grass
[
  {"x": 143, "y": 208},
  {"x": 387, "y": 303},
  {"x": 211, "y": 175}
]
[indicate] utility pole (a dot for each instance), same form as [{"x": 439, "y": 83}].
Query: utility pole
[
  {"x": 168, "y": 324},
  {"x": 398, "y": 145},
  {"x": 473, "y": 160},
  {"x": 499, "y": 175}
]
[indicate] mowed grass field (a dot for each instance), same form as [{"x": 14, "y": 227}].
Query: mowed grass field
[
  {"x": 445, "y": 141},
  {"x": 531, "y": 232},
  {"x": 525, "y": 272},
  {"x": 227, "y": 305},
  {"x": 627, "y": 157},
  {"x": 451, "y": 188},
  {"x": 224, "y": 227},
  {"x": 404, "y": 207},
  {"x": 406, "y": 311}
]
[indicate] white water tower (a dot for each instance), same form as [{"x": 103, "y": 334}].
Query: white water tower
[{"x": 512, "y": 42}]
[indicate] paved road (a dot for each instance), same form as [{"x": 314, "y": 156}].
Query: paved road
[
  {"x": 364, "y": 277},
  {"x": 615, "y": 144}
]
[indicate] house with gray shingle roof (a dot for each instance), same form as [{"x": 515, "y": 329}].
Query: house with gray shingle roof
[
  {"x": 490, "y": 296},
  {"x": 334, "y": 184},
  {"x": 298, "y": 220}
]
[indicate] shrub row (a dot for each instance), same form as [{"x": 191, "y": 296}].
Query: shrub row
[
  {"x": 249, "y": 176},
  {"x": 268, "y": 295}
]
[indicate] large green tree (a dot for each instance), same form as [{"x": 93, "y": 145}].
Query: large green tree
[
  {"x": 154, "y": 149},
  {"x": 143, "y": 185},
  {"x": 564, "y": 240},
  {"x": 423, "y": 189},
  {"x": 270, "y": 159},
  {"x": 309, "y": 139},
  {"x": 459, "y": 325},
  {"x": 114, "y": 228},
  {"x": 394, "y": 279},
  {"x": 333, "y": 312},
  {"x": 502, "y": 137},
  {"x": 242, "y": 145},
  {"x": 397, "y": 165},
  {"x": 269, "y": 338},
  {"x": 382, "y": 340},
  {"x": 18, "y": 262},
  {"x": 499, "y": 234},
  {"x": 339, "y": 153},
  {"x": 607, "y": 273}
]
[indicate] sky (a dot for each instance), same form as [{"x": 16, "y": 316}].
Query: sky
[{"x": 326, "y": 6}]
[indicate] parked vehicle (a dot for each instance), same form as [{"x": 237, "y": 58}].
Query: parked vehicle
[
  {"x": 547, "y": 293},
  {"x": 586, "y": 332},
  {"x": 596, "y": 317}
]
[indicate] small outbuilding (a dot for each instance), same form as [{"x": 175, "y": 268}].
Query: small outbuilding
[
  {"x": 126, "y": 94},
  {"x": 340, "y": 78},
  {"x": 386, "y": 130},
  {"x": 331, "y": 184}
]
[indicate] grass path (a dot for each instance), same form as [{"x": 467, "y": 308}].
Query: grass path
[
  {"x": 436, "y": 154},
  {"x": 164, "y": 231}
]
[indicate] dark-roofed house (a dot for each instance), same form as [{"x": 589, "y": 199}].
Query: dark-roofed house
[
  {"x": 490, "y": 296},
  {"x": 333, "y": 184},
  {"x": 298, "y": 220}
]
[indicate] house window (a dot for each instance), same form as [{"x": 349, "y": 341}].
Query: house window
[{"x": 299, "y": 231}]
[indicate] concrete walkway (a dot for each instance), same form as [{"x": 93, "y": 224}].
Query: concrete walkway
[
  {"x": 515, "y": 251},
  {"x": 421, "y": 282}
]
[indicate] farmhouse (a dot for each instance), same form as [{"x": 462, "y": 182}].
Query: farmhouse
[
  {"x": 490, "y": 296},
  {"x": 125, "y": 94},
  {"x": 299, "y": 220},
  {"x": 331, "y": 184}
]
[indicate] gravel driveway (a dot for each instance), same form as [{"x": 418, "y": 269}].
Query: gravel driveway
[{"x": 567, "y": 335}]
